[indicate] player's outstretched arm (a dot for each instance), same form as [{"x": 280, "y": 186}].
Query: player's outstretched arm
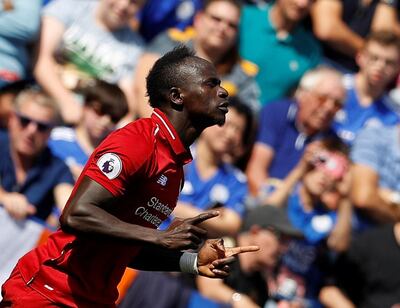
[
  {"x": 213, "y": 259},
  {"x": 88, "y": 213}
]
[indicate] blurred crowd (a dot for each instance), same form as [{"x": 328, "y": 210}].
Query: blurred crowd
[{"x": 307, "y": 165}]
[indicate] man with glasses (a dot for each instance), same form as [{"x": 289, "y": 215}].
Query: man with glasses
[
  {"x": 287, "y": 126},
  {"x": 32, "y": 179},
  {"x": 367, "y": 102}
]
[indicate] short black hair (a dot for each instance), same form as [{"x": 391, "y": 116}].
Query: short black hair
[
  {"x": 166, "y": 74},
  {"x": 109, "y": 96},
  {"x": 333, "y": 143}
]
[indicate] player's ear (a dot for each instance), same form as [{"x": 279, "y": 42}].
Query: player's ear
[{"x": 176, "y": 98}]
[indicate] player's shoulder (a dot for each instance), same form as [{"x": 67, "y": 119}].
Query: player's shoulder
[{"x": 133, "y": 135}]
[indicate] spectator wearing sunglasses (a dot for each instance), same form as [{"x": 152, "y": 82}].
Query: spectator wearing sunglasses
[
  {"x": 104, "y": 106},
  {"x": 32, "y": 179}
]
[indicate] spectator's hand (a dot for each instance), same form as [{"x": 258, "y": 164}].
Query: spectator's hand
[
  {"x": 184, "y": 233},
  {"x": 17, "y": 205},
  {"x": 344, "y": 186},
  {"x": 71, "y": 113},
  {"x": 213, "y": 258},
  {"x": 306, "y": 162}
]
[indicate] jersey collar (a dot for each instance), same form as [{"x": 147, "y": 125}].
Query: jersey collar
[{"x": 170, "y": 133}]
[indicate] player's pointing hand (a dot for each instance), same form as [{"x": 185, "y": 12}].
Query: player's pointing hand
[
  {"x": 184, "y": 234},
  {"x": 214, "y": 259}
]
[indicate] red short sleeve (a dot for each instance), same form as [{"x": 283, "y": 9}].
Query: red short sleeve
[{"x": 122, "y": 157}]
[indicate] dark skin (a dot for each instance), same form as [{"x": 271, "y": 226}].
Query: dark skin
[{"x": 201, "y": 102}]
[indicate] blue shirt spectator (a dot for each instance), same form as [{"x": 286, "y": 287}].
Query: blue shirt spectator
[
  {"x": 227, "y": 188},
  {"x": 316, "y": 224},
  {"x": 45, "y": 174},
  {"x": 278, "y": 130},
  {"x": 379, "y": 149},
  {"x": 353, "y": 116},
  {"x": 64, "y": 144}
]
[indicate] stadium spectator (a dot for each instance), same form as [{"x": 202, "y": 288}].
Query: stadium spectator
[
  {"x": 288, "y": 125},
  {"x": 19, "y": 28},
  {"x": 367, "y": 102},
  {"x": 86, "y": 39},
  {"x": 376, "y": 174},
  {"x": 368, "y": 274},
  {"x": 316, "y": 193},
  {"x": 104, "y": 106},
  {"x": 214, "y": 37},
  {"x": 273, "y": 37},
  {"x": 342, "y": 25},
  {"x": 32, "y": 179},
  {"x": 269, "y": 228}
]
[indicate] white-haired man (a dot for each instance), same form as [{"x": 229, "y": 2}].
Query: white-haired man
[{"x": 287, "y": 126}]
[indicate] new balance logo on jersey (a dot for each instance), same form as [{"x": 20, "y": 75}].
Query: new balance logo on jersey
[{"x": 162, "y": 180}]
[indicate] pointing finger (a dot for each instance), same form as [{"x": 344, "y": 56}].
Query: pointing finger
[{"x": 237, "y": 250}]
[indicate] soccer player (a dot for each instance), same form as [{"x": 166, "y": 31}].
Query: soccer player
[{"x": 128, "y": 187}]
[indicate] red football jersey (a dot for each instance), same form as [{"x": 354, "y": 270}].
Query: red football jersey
[{"x": 140, "y": 164}]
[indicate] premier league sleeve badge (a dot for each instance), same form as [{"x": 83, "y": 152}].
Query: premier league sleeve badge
[{"x": 110, "y": 164}]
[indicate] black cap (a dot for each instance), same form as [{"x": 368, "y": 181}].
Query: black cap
[{"x": 270, "y": 217}]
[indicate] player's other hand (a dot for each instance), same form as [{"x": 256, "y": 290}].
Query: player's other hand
[
  {"x": 213, "y": 258},
  {"x": 184, "y": 234}
]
